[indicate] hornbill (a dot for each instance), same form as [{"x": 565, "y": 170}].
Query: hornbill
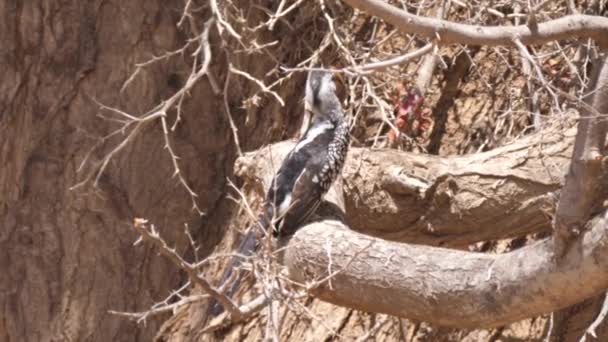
[{"x": 305, "y": 175}]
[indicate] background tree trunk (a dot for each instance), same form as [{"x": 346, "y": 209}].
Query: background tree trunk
[{"x": 68, "y": 255}]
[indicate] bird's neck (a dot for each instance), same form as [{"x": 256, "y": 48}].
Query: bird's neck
[{"x": 334, "y": 117}]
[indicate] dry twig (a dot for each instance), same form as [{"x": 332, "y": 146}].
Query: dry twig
[
  {"x": 151, "y": 236},
  {"x": 596, "y": 323}
]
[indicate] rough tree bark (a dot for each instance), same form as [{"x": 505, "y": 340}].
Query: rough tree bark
[
  {"x": 450, "y": 32},
  {"x": 452, "y": 201},
  {"x": 67, "y": 257},
  {"x": 443, "y": 286}
]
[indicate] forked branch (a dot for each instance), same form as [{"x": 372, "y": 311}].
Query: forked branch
[
  {"x": 151, "y": 236},
  {"x": 577, "y": 25}
]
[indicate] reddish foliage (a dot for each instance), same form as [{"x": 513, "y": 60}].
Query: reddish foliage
[{"x": 409, "y": 116}]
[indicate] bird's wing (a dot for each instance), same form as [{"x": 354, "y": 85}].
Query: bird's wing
[{"x": 305, "y": 199}]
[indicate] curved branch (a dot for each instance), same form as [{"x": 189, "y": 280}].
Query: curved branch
[
  {"x": 566, "y": 27},
  {"x": 442, "y": 201},
  {"x": 583, "y": 189},
  {"x": 443, "y": 286}
]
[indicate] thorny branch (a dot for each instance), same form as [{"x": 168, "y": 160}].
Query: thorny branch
[
  {"x": 160, "y": 112},
  {"x": 152, "y": 236},
  {"x": 566, "y": 27}
]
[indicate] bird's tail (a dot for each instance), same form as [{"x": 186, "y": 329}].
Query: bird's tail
[{"x": 246, "y": 249}]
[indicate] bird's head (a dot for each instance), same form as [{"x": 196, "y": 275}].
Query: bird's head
[{"x": 321, "y": 95}]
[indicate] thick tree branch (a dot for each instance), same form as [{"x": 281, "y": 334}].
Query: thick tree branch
[
  {"x": 448, "y": 287},
  {"x": 578, "y": 25},
  {"x": 442, "y": 201},
  {"x": 580, "y": 193}
]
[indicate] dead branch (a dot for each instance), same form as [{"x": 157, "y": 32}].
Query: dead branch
[
  {"x": 577, "y": 25},
  {"x": 527, "y": 72},
  {"x": 142, "y": 316},
  {"x": 579, "y": 195},
  {"x": 539, "y": 73},
  {"x": 458, "y": 200},
  {"x": 376, "y": 66},
  {"x": 263, "y": 87},
  {"x": 449, "y": 287},
  {"x": 247, "y": 310}
]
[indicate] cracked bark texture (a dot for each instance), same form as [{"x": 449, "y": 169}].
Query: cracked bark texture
[{"x": 67, "y": 256}]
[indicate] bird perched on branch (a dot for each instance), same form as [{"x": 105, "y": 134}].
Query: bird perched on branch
[{"x": 305, "y": 175}]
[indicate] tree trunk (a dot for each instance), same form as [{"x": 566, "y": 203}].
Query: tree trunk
[{"x": 68, "y": 255}]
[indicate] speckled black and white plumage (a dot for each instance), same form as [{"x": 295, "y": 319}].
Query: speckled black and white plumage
[
  {"x": 307, "y": 172},
  {"x": 310, "y": 168}
]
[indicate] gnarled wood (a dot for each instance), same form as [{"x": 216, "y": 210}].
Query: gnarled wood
[
  {"x": 443, "y": 286},
  {"x": 442, "y": 201}
]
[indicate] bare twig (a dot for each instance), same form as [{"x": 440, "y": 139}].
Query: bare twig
[
  {"x": 377, "y": 66},
  {"x": 151, "y": 236},
  {"x": 141, "y": 317},
  {"x": 539, "y": 73},
  {"x": 598, "y": 320},
  {"x": 281, "y": 13},
  {"x": 374, "y": 330},
  {"x": 159, "y": 112},
  {"x": 247, "y": 310},
  {"x": 177, "y": 171},
  {"x": 369, "y": 68},
  {"x": 221, "y": 22},
  {"x": 550, "y": 328},
  {"x": 427, "y": 69},
  {"x": 565, "y": 27},
  {"x": 260, "y": 84},
  {"x": 233, "y": 127}
]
